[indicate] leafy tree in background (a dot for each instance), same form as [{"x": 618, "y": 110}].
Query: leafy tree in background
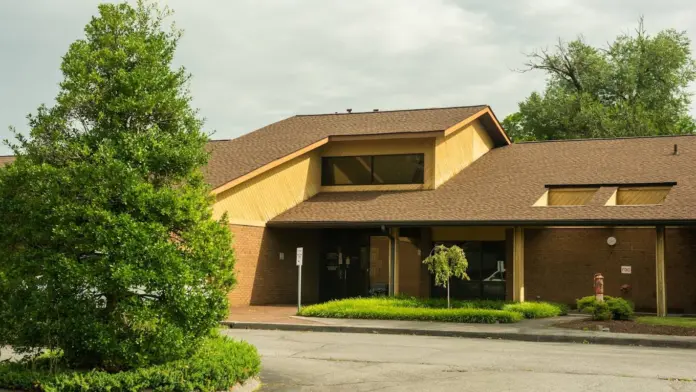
[
  {"x": 445, "y": 263},
  {"x": 637, "y": 86},
  {"x": 108, "y": 251}
]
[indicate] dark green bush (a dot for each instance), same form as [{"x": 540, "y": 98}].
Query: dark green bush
[
  {"x": 219, "y": 364},
  {"x": 620, "y": 308},
  {"x": 585, "y": 302},
  {"x": 533, "y": 310},
  {"x": 617, "y": 308},
  {"x": 601, "y": 312}
]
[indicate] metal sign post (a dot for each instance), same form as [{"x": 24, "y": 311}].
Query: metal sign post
[{"x": 300, "y": 251}]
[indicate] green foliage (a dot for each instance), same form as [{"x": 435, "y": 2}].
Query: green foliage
[
  {"x": 600, "y": 311},
  {"x": 533, "y": 310},
  {"x": 432, "y": 309},
  {"x": 564, "y": 308},
  {"x": 336, "y": 309},
  {"x": 108, "y": 250},
  {"x": 219, "y": 364},
  {"x": 445, "y": 263},
  {"x": 637, "y": 86},
  {"x": 686, "y": 322},
  {"x": 620, "y": 308},
  {"x": 616, "y": 308},
  {"x": 584, "y": 303}
]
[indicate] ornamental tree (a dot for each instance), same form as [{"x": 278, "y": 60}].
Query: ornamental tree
[
  {"x": 108, "y": 249},
  {"x": 445, "y": 263}
]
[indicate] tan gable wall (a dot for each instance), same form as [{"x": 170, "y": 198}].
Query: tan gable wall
[
  {"x": 261, "y": 198},
  {"x": 457, "y": 150}
]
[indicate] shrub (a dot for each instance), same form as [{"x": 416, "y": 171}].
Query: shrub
[
  {"x": 616, "y": 308},
  {"x": 585, "y": 302},
  {"x": 532, "y": 310},
  {"x": 620, "y": 308},
  {"x": 564, "y": 308},
  {"x": 600, "y": 311},
  {"x": 108, "y": 249},
  {"x": 219, "y": 364}
]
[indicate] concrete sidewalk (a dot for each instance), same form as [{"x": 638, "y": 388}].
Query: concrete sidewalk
[{"x": 541, "y": 330}]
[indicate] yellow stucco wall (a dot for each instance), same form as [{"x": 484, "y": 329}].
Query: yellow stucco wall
[
  {"x": 263, "y": 197},
  {"x": 457, "y": 150}
]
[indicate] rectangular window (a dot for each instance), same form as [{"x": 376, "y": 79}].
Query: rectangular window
[
  {"x": 398, "y": 169},
  {"x": 346, "y": 170},
  {"x": 373, "y": 170},
  {"x": 639, "y": 196},
  {"x": 566, "y": 196}
]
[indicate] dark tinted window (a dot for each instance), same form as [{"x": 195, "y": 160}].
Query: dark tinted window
[
  {"x": 398, "y": 169},
  {"x": 346, "y": 171},
  {"x": 378, "y": 169}
]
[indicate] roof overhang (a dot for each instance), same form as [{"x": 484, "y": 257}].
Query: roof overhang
[{"x": 527, "y": 223}]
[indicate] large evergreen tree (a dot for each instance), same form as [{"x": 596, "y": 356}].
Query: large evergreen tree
[
  {"x": 637, "y": 86},
  {"x": 108, "y": 250}
]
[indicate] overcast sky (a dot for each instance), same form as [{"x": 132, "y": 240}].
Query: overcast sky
[{"x": 257, "y": 61}]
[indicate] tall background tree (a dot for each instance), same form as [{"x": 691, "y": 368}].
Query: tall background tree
[
  {"x": 636, "y": 86},
  {"x": 108, "y": 250}
]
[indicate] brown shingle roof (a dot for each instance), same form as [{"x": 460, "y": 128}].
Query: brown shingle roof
[
  {"x": 4, "y": 160},
  {"x": 233, "y": 158},
  {"x": 502, "y": 185}
]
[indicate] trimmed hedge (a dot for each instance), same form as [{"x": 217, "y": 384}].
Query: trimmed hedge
[
  {"x": 457, "y": 315},
  {"x": 534, "y": 310},
  {"x": 433, "y": 309},
  {"x": 612, "y": 308},
  {"x": 218, "y": 365}
]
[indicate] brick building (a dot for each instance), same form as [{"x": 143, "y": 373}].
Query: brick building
[{"x": 368, "y": 195}]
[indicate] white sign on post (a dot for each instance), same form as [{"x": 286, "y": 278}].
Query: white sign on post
[
  {"x": 300, "y": 251},
  {"x": 626, "y": 269},
  {"x": 298, "y": 262}
]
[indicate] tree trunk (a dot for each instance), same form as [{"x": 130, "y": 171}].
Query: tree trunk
[{"x": 448, "y": 300}]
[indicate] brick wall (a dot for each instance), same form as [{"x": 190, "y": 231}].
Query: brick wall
[
  {"x": 262, "y": 278},
  {"x": 410, "y": 268},
  {"x": 680, "y": 269},
  {"x": 560, "y": 264}
]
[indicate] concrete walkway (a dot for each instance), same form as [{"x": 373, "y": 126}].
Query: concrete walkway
[{"x": 541, "y": 330}]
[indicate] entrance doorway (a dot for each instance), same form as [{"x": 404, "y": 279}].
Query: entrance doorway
[{"x": 345, "y": 265}]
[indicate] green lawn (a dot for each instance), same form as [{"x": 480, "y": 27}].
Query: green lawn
[
  {"x": 688, "y": 322},
  {"x": 410, "y": 308}
]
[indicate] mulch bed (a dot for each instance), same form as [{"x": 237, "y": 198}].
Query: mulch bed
[{"x": 628, "y": 327}]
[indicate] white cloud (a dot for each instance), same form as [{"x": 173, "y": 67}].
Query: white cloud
[{"x": 255, "y": 62}]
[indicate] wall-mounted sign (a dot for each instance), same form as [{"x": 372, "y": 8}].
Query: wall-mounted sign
[{"x": 626, "y": 269}]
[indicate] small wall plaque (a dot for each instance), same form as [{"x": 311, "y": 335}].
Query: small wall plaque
[{"x": 626, "y": 269}]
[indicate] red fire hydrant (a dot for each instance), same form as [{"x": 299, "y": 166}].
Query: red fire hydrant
[{"x": 599, "y": 287}]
